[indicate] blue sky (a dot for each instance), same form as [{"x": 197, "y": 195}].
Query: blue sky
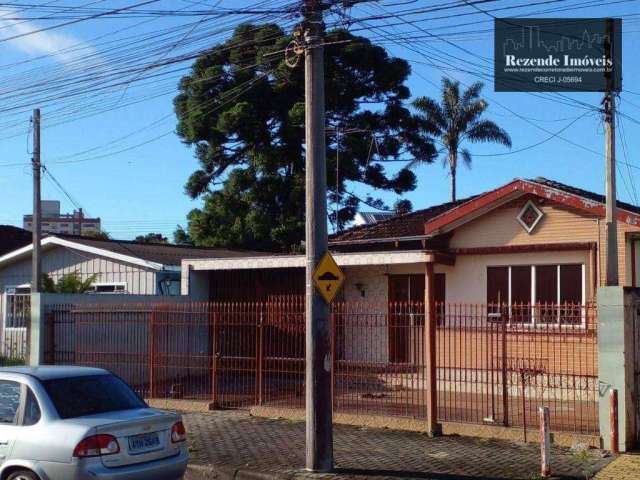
[{"x": 141, "y": 189}]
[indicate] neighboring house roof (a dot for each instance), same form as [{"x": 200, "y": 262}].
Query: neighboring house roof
[
  {"x": 149, "y": 255},
  {"x": 367, "y": 218},
  {"x": 13, "y": 237},
  {"x": 441, "y": 218}
]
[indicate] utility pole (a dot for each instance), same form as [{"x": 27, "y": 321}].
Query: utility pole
[
  {"x": 609, "y": 104},
  {"x": 36, "y": 267},
  {"x": 319, "y": 429}
]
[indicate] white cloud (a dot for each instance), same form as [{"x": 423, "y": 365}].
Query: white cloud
[{"x": 62, "y": 47}]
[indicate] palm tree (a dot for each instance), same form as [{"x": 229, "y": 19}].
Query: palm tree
[{"x": 456, "y": 119}]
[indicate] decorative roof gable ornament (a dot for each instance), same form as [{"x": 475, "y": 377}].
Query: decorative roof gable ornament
[{"x": 529, "y": 216}]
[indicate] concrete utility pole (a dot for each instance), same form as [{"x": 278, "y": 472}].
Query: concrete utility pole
[
  {"x": 36, "y": 268},
  {"x": 609, "y": 104},
  {"x": 319, "y": 434}
]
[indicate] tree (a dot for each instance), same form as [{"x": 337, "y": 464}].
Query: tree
[
  {"x": 99, "y": 235},
  {"x": 152, "y": 238},
  {"x": 241, "y": 108},
  {"x": 181, "y": 237},
  {"x": 68, "y": 283},
  {"x": 456, "y": 119},
  {"x": 403, "y": 206}
]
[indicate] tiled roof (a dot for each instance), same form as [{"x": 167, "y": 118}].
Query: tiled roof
[
  {"x": 412, "y": 224},
  {"x": 12, "y": 238},
  {"x": 164, "y": 254},
  {"x": 404, "y": 225},
  {"x": 596, "y": 197}
]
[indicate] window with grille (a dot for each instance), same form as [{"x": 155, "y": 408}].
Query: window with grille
[
  {"x": 17, "y": 312},
  {"x": 540, "y": 294}
]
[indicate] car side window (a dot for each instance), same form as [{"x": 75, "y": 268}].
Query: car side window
[
  {"x": 31, "y": 409},
  {"x": 9, "y": 402}
]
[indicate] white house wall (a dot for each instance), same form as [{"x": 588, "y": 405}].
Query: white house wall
[
  {"x": 366, "y": 339},
  {"x": 466, "y": 282},
  {"x": 60, "y": 261}
]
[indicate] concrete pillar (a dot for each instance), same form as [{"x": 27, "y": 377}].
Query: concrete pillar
[
  {"x": 616, "y": 362},
  {"x": 37, "y": 331}
]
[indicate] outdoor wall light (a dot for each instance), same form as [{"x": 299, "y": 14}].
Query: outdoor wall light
[{"x": 360, "y": 286}]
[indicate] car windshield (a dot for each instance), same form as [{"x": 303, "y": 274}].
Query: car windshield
[{"x": 90, "y": 395}]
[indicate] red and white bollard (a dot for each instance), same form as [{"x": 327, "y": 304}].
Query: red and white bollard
[
  {"x": 613, "y": 419},
  {"x": 545, "y": 442}
]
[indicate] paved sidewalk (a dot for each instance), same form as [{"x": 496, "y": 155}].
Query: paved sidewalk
[
  {"x": 625, "y": 467},
  {"x": 236, "y": 445}
]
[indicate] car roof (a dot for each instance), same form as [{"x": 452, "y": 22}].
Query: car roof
[{"x": 54, "y": 372}]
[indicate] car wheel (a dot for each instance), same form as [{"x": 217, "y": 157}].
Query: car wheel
[{"x": 23, "y": 475}]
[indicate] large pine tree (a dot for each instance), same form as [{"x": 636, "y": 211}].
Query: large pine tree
[{"x": 241, "y": 108}]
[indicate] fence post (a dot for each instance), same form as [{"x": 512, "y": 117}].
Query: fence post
[
  {"x": 505, "y": 388},
  {"x": 51, "y": 343},
  {"x": 260, "y": 353},
  {"x": 545, "y": 442},
  {"x": 214, "y": 356},
  {"x": 334, "y": 358},
  {"x": 613, "y": 418},
  {"x": 430, "y": 330},
  {"x": 152, "y": 351}
]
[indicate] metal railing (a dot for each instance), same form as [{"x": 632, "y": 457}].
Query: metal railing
[{"x": 491, "y": 367}]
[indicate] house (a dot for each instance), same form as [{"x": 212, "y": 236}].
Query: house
[
  {"x": 105, "y": 266},
  {"x": 12, "y": 238},
  {"x": 529, "y": 242}
]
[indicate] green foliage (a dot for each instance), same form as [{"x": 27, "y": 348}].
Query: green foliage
[
  {"x": 181, "y": 237},
  {"x": 11, "y": 361},
  {"x": 68, "y": 283},
  {"x": 455, "y": 119},
  {"x": 152, "y": 238},
  {"x": 243, "y": 114},
  {"x": 101, "y": 235}
]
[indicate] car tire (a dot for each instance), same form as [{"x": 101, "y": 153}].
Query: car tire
[{"x": 23, "y": 475}]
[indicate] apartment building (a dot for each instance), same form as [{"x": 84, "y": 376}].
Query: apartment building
[{"x": 53, "y": 221}]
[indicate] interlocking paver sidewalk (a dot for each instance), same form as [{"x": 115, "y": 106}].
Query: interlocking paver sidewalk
[
  {"x": 228, "y": 444},
  {"x": 625, "y": 467}
]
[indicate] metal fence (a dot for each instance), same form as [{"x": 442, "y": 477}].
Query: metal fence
[{"x": 495, "y": 364}]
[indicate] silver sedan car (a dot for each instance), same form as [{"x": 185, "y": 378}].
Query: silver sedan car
[{"x": 77, "y": 423}]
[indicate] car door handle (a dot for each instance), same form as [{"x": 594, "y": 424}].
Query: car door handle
[{"x": 4, "y": 442}]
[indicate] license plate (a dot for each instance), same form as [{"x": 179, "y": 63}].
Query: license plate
[{"x": 144, "y": 442}]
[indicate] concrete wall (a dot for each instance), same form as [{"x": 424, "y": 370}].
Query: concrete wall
[
  {"x": 618, "y": 327},
  {"x": 120, "y": 340}
]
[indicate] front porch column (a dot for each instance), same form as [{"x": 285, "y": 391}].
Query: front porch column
[{"x": 433, "y": 428}]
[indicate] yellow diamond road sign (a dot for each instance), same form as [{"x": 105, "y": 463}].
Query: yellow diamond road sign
[{"x": 328, "y": 278}]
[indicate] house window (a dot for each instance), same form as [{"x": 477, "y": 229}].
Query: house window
[
  {"x": 537, "y": 294},
  {"x": 529, "y": 216},
  {"x": 108, "y": 288},
  {"x": 17, "y": 311}
]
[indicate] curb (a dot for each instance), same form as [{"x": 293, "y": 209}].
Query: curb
[{"x": 200, "y": 472}]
